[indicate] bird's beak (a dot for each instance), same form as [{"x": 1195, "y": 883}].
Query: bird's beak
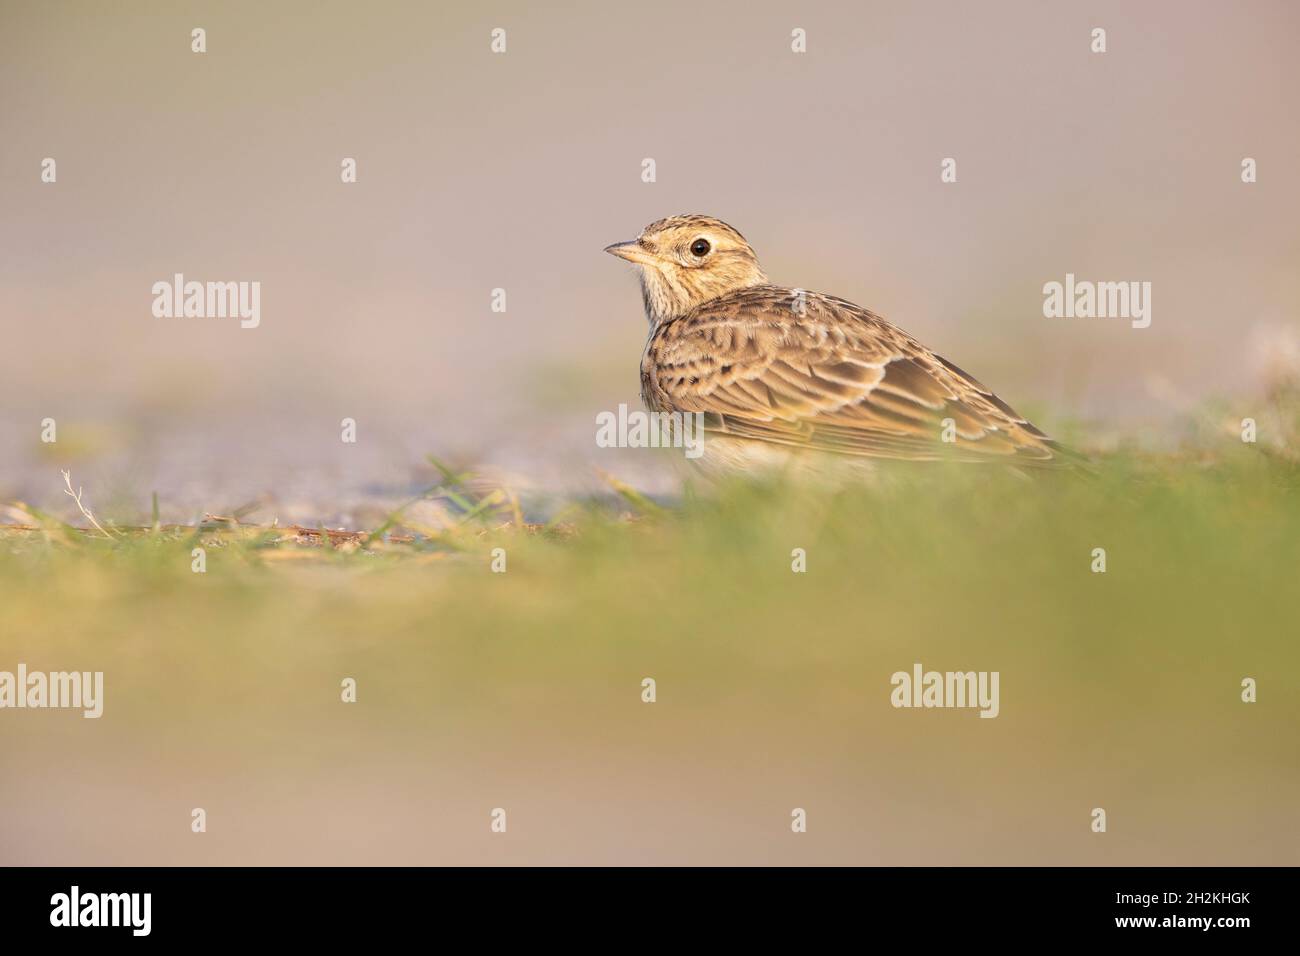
[{"x": 631, "y": 251}]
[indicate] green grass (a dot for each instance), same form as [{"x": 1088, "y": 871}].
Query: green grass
[{"x": 479, "y": 689}]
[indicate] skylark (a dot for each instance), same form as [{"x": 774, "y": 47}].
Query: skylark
[{"x": 781, "y": 374}]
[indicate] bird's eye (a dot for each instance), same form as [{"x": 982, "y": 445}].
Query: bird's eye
[{"x": 700, "y": 248}]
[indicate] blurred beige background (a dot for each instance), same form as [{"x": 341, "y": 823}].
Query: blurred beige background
[{"x": 479, "y": 170}]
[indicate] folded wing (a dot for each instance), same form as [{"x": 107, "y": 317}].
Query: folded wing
[{"x": 821, "y": 373}]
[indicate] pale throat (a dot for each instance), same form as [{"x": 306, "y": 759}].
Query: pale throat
[
  {"x": 664, "y": 299},
  {"x": 671, "y": 294}
]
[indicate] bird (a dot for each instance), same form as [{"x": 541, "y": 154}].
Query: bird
[{"x": 781, "y": 374}]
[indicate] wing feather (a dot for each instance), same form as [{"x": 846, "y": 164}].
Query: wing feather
[{"x": 834, "y": 378}]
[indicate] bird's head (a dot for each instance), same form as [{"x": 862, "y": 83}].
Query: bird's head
[{"x": 687, "y": 260}]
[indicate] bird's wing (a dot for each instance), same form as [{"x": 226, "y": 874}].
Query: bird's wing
[{"x": 828, "y": 375}]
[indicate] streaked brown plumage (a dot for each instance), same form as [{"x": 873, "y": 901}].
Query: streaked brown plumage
[{"x": 799, "y": 370}]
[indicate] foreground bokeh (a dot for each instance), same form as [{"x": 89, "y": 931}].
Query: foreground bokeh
[{"x": 523, "y": 690}]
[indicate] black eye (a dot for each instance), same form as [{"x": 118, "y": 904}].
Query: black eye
[{"x": 700, "y": 247}]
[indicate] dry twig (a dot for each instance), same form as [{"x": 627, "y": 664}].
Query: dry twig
[{"x": 76, "y": 496}]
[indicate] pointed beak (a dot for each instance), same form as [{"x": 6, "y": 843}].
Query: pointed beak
[{"x": 631, "y": 251}]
